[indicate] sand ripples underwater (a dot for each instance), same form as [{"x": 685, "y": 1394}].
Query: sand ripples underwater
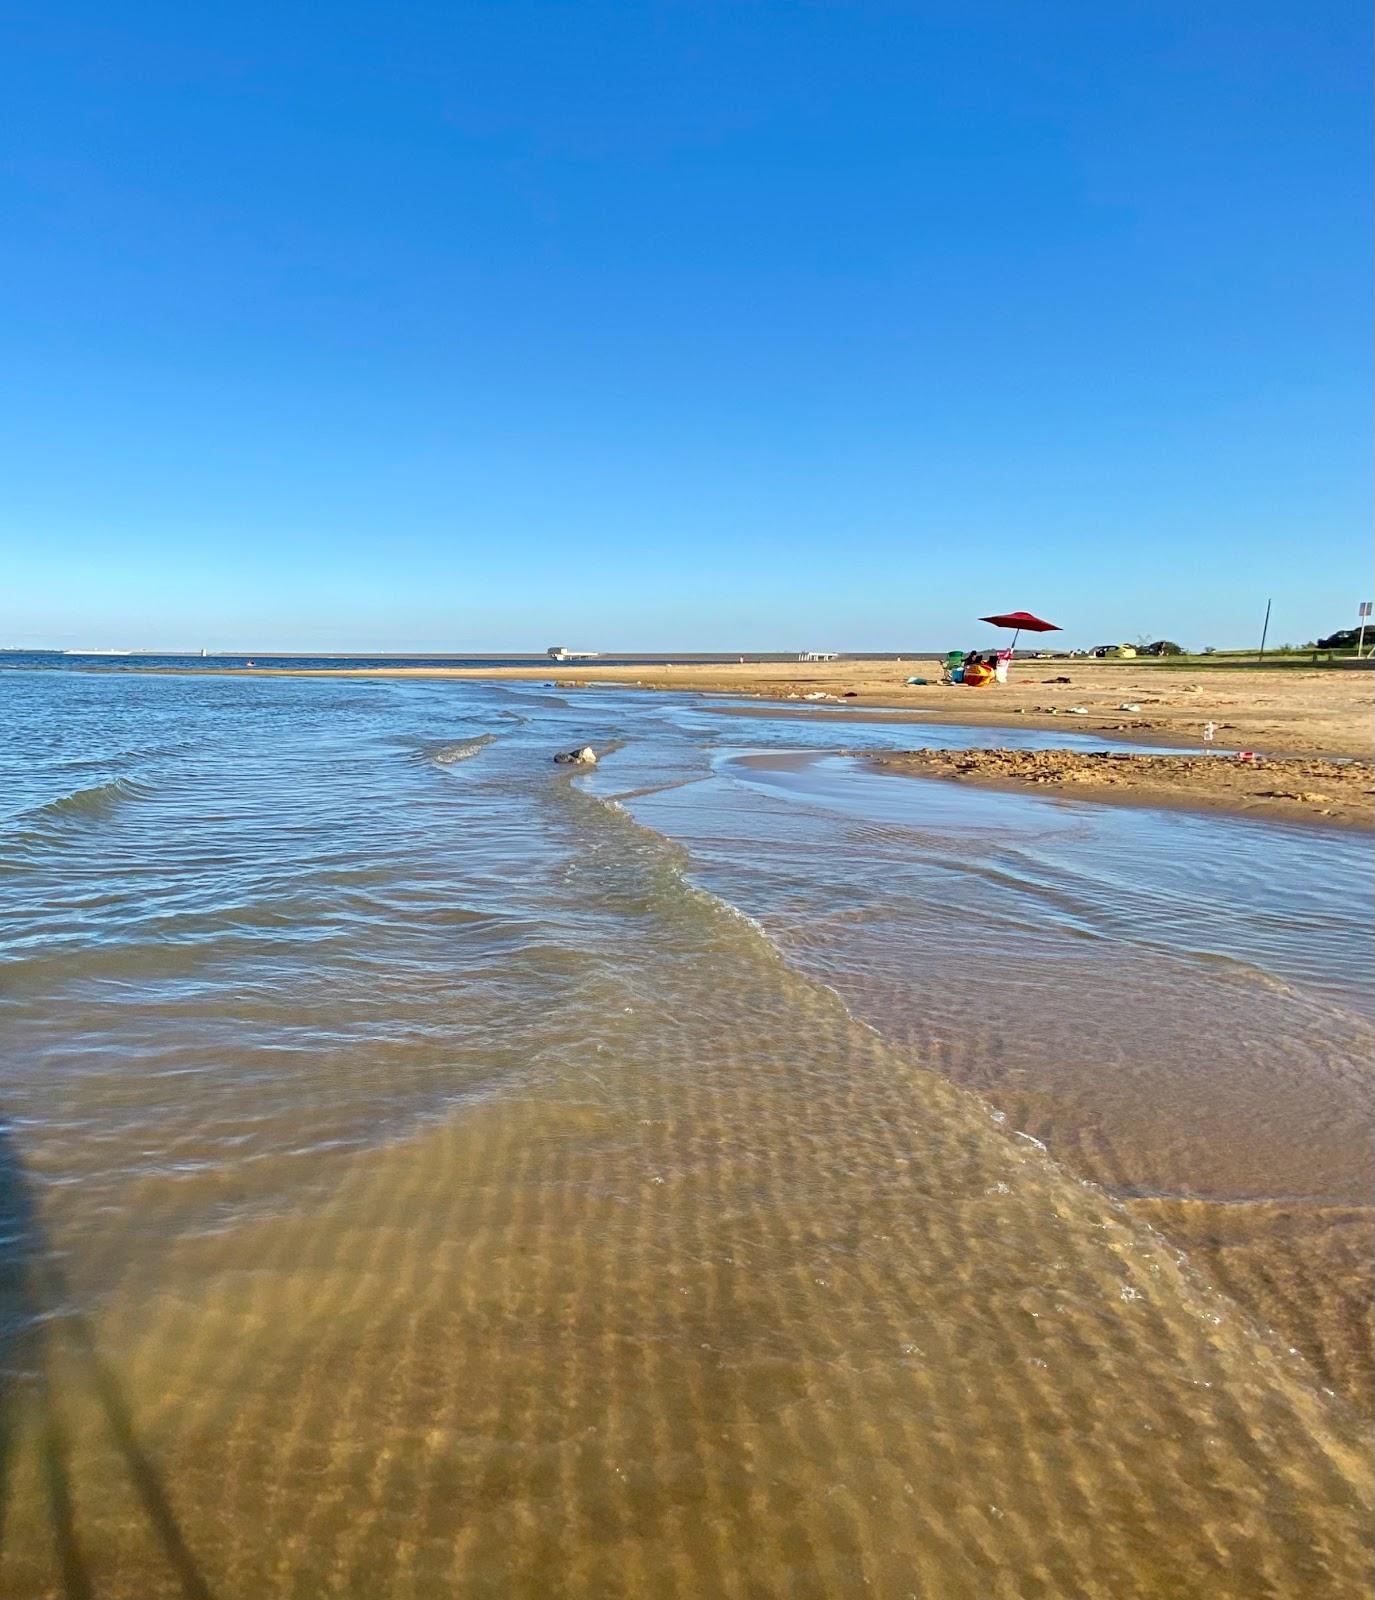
[{"x": 472, "y": 1200}]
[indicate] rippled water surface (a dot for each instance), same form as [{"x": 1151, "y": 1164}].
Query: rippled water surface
[{"x": 731, "y": 1171}]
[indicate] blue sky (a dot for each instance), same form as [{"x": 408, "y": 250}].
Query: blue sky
[{"x": 480, "y": 326}]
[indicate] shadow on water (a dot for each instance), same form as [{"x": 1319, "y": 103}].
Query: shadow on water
[{"x": 35, "y": 1313}]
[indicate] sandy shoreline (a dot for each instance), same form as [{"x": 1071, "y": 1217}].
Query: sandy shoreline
[
  {"x": 1296, "y": 721},
  {"x": 1284, "y": 788},
  {"x": 1288, "y": 711}
]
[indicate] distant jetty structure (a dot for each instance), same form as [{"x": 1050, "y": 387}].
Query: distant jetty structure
[
  {"x": 818, "y": 655},
  {"x": 558, "y": 652}
]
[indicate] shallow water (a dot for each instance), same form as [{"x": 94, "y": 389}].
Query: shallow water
[{"x": 430, "y": 1171}]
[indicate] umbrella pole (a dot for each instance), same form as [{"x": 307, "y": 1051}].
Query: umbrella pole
[{"x": 1015, "y": 633}]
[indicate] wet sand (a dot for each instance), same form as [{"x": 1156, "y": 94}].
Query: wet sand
[
  {"x": 1293, "y": 788},
  {"x": 1279, "y": 710},
  {"x": 756, "y": 1307}
]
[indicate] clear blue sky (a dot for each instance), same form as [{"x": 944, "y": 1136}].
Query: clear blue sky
[{"x": 482, "y": 326}]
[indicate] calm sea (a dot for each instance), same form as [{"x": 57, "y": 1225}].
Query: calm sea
[{"x": 426, "y": 1170}]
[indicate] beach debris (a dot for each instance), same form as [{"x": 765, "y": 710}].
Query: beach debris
[
  {"x": 1054, "y": 680},
  {"x": 1076, "y": 711},
  {"x": 914, "y": 680},
  {"x": 1128, "y": 705},
  {"x": 1307, "y": 796},
  {"x": 586, "y": 757}
]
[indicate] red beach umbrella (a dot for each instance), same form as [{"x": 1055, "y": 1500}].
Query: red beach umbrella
[{"x": 1019, "y": 621}]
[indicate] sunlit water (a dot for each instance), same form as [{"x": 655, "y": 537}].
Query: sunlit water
[{"x": 430, "y": 1171}]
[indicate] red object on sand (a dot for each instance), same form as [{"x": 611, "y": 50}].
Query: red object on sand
[{"x": 1023, "y": 621}]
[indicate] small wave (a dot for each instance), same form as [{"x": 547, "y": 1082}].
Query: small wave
[
  {"x": 458, "y": 749},
  {"x": 651, "y": 789},
  {"x": 88, "y": 804},
  {"x": 659, "y": 873}
]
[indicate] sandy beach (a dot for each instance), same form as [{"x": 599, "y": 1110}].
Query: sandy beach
[{"x": 1278, "y": 711}]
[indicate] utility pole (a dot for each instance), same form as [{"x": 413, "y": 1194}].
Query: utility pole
[{"x": 1264, "y": 630}]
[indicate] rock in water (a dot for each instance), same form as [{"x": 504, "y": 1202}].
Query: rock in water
[{"x": 586, "y": 757}]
